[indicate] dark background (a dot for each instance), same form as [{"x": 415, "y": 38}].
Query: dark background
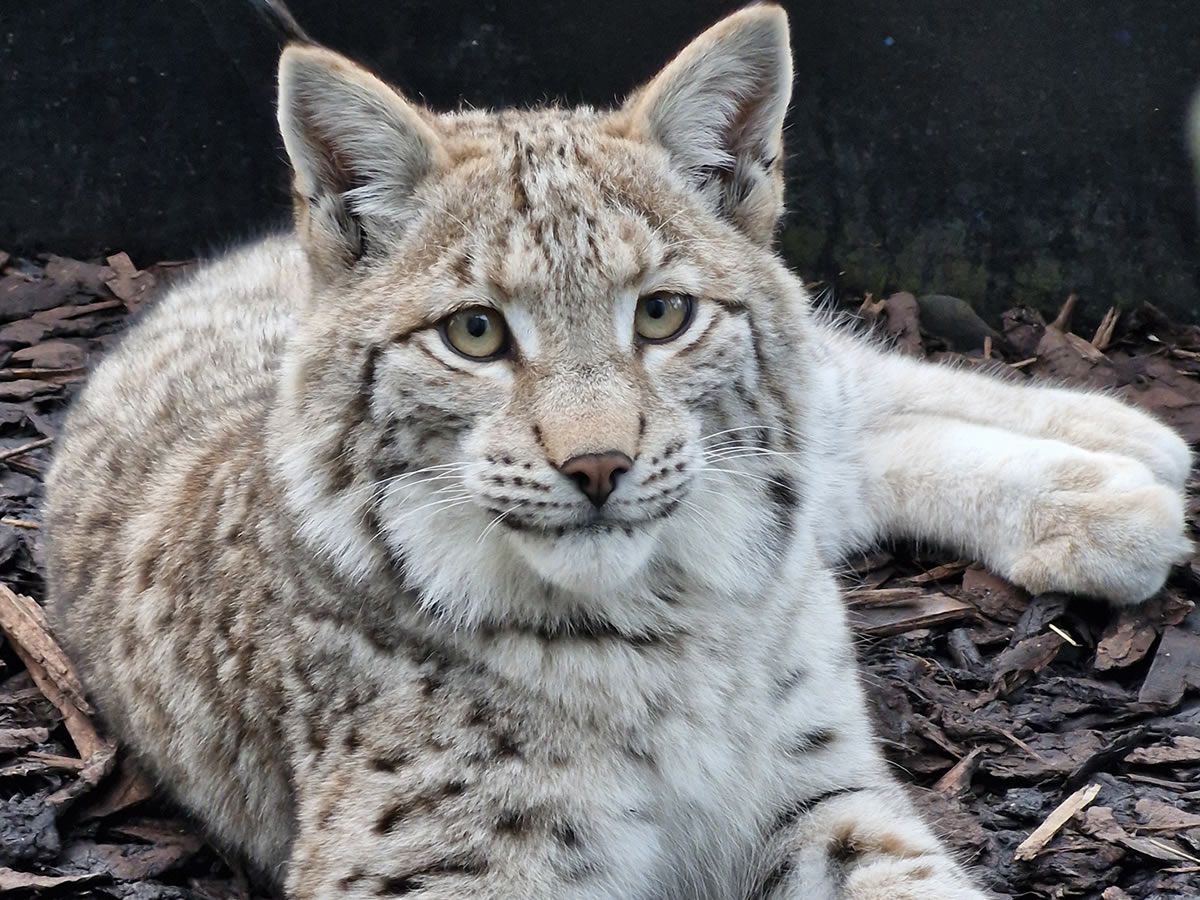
[{"x": 1002, "y": 151}]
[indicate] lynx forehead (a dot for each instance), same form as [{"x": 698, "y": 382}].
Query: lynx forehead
[{"x": 474, "y": 539}]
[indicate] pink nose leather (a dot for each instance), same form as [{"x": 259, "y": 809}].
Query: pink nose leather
[{"x": 596, "y": 474}]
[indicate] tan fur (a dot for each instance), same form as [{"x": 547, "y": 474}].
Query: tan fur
[{"x": 326, "y": 579}]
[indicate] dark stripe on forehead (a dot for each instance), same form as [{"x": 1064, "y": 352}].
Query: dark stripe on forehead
[
  {"x": 366, "y": 388},
  {"x": 521, "y": 154},
  {"x": 461, "y": 268}
]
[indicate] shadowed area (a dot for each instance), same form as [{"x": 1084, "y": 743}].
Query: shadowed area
[{"x": 998, "y": 153}]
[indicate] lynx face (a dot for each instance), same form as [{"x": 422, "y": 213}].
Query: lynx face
[{"x": 559, "y": 321}]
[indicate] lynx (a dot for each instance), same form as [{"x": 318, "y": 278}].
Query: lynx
[{"x": 476, "y": 539}]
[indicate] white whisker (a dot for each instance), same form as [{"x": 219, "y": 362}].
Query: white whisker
[
  {"x": 496, "y": 521},
  {"x": 742, "y": 474},
  {"x": 461, "y": 498}
]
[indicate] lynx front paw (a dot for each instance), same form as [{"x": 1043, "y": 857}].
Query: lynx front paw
[
  {"x": 1103, "y": 424},
  {"x": 1105, "y": 527}
]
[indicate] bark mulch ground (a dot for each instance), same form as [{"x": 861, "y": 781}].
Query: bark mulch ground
[{"x": 1055, "y": 742}]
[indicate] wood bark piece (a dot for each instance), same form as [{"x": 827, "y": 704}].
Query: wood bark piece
[
  {"x": 25, "y": 448},
  {"x": 1017, "y": 664},
  {"x": 995, "y": 597},
  {"x": 1104, "y": 332},
  {"x": 133, "y": 862},
  {"x": 902, "y": 318},
  {"x": 127, "y": 788},
  {"x": 940, "y": 573},
  {"x": 20, "y": 738},
  {"x": 866, "y": 599},
  {"x": 929, "y": 610},
  {"x": 1102, "y": 824},
  {"x": 1158, "y": 816},
  {"x": 22, "y": 882},
  {"x": 128, "y": 283},
  {"x": 1044, "y": 833},
  {"x": 958, "y": 779},
  {"x": 1126, "y": 642},
  {"x": 1182, "y": 749},
  {"x": 24, "y": 624},
  {"x": 1176, "y": 665}
]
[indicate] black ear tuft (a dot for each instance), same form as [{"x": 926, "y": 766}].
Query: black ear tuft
[{"x": 282, "y": 20}]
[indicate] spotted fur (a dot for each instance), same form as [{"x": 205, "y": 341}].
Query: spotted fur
[{"x": 326, "y": 580}]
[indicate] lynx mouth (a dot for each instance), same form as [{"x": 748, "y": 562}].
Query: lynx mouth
[{"x": 597, "y": 525}]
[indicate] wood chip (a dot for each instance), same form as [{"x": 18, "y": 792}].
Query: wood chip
[
  {"x": 995, "y": 597},
  {"x": 1176, "y": 666},
  {"x": 940, "y": 573},
  {"x": 873, "y": 597},
  {"x": 24, "y": 624},
  {"x": 1104, "y": 332},
  {"x": 20, "y": 738},
  {"x": 25, "y": 448},
  {"x": 1017, "y": 664},
  {"x": 12, "y": 880},
  {"x": 1158, "y": 816},
  {"x": 1181, "y": 749},
  {"x": 19, "y": 523},
  {"x": 902, "y": 316},
  {"x": 126, "y": 789},
  {"x": 958, "y": 779},
  {"x": 927, "y": 611},
  {"x": 1044, "y": 833},
  {"x": 128, "y": 283},
  {"x": 1065, "y": 313},
  {"x": 1125, "y": 642},
  {"x": 1064, "y": 634}
]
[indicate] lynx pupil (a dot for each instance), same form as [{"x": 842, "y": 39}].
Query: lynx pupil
[{"x": 477, "y": 326}]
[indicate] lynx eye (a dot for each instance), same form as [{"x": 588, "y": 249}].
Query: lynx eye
[
  {"x": 476, "y": 333},
  {"x": 662, "y": 316}
]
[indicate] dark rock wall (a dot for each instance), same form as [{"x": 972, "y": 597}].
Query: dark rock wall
[{"x": 1003, "y": 151}]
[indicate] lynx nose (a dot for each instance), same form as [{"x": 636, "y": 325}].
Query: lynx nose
[{"x": 596, "y": 474}]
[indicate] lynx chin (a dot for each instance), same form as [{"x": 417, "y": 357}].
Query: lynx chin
[{"x": 475, "y": 539}]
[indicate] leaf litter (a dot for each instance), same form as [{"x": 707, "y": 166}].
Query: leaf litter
[{"x": 1054, "y": 742}]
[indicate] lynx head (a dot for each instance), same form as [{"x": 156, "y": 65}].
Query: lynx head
[{"x": 547, "y": 347}]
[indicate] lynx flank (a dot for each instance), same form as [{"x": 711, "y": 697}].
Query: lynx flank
[{"x": 476, "y": 539}]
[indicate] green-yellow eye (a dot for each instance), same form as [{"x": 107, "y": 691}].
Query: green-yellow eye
[
  {"x": 662, "y": 316},
  {"x": 477, "y": 333}
]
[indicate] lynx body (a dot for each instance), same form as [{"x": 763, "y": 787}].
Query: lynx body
[{"x": 394, "y": 616}]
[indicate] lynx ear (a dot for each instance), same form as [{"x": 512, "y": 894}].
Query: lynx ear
[
  {"x": 358, "y": 150},
  {"x": 718, "y": 109}
]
